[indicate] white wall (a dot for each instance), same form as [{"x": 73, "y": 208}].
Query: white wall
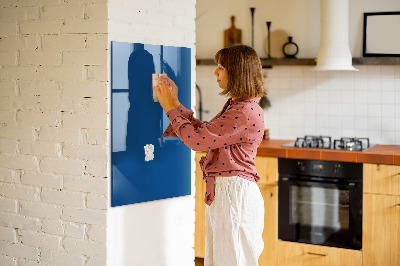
[
  {"x": 299, "y": 18},
  {"x": 338, "y": 104},
  {"x": 158, "y": 232},
  {"x": 53, "y": 155}
]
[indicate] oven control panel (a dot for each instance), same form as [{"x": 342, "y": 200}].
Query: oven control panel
[{"x": 330, "y": 169}]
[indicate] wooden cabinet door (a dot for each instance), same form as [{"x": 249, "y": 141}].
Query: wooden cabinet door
[
  {"x": 267, "y": 168},
  {"x": 298, "y": 254},
  {"x": 381, "y": 230},
  {"x": 270, "y": 233},
  {"x": 200, "y": 207},
  {"x": 381, "y": 179}
]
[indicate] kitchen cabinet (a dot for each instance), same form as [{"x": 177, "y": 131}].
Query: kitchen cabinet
[
  {"x": 298, "y": 254},
  {"x": 381, "y": 221},
  {"x": 381, "y": 230},
  {"x": 381, "y": 179},
  {"x": 267, "y": 167},
  {"x": 270, "y": 233},
  {"x": 381, "y": 215},
  {"x": 200, "y": 207}
]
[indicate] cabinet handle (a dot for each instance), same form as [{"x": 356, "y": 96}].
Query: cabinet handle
[
  {"x": 398, "y": 204},
  {"x": 318, "y": 254}
]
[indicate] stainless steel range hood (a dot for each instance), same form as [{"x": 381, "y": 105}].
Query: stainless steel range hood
[{"x": 334, "y": 51}]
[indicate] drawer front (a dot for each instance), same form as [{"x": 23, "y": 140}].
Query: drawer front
[
  {"x": 294, "y": 254},
  {"x": 381, "y": 179}
]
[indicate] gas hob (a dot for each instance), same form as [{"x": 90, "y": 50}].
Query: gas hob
[{"x": 325, "y": 142}]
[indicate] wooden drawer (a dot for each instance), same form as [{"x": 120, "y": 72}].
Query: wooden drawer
[
  {"x": 381, "y": 179},
  {"x": 298, "y": 254}
]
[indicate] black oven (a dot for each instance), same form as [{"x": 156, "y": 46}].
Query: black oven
[{"x": 320, "y": 202}]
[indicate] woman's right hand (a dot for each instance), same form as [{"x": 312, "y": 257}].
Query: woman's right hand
[{"x": 174, "y": 91}]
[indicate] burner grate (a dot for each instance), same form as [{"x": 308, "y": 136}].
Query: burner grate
[
  {"x": 351, "y": 144},
  {"x": 321, "y": 142}
]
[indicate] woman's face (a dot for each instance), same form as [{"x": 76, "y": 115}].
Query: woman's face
[{"x": 222, "y": 76}]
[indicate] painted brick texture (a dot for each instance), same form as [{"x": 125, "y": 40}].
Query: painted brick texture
[{"x": 53, "y": 128}]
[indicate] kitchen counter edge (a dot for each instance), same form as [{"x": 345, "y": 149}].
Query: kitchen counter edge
[{"x": 379, "y": 154}]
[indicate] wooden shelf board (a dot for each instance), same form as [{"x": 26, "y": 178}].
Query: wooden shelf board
[
  {"x": 376, "y": 61},
  {"x": 312, "y": 61}
]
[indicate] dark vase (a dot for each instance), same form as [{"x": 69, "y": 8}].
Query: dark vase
[{"x": 290, "y": 49}]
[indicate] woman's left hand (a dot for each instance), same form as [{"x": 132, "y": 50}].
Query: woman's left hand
[{"x": 164, "y": 95}]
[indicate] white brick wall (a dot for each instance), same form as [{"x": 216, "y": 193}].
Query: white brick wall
[
  {"x": 75, "y": 230},
  {"x": 54, "y": 76},
  {"x": 53, "y": 121},
  {"x": 8, "y": 234}
]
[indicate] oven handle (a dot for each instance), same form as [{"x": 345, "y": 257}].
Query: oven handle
[{"x": 297, "y": 181}]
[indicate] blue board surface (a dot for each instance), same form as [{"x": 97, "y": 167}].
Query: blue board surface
[{"x": 137, "y": 121}]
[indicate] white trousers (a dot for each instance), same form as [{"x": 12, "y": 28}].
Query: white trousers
[{"x": 234, "y": 223}]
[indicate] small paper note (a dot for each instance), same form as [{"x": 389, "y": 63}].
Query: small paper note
[
  {"x": 148, "y": 152},
  {"x": 156, "y": 79}
]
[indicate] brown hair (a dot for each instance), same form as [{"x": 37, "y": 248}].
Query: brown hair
[{"x": 245, "y": 78}]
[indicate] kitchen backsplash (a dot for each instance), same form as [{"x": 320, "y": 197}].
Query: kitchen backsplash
[{"x": 337, "y": 104}]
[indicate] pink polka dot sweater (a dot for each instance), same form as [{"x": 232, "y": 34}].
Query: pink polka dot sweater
[{"x": 231, "y": 139}]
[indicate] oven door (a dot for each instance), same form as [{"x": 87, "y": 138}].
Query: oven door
[{"x": 320, "y": 212}]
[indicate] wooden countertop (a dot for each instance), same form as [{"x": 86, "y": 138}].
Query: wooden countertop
[{"x": 379, "y": 154}]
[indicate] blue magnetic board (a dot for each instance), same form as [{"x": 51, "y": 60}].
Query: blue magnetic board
[{"x": 137, "y": 121}]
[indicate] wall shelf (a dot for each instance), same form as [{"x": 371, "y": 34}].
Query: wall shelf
[
  {"x": 376, "y": 61},
  {"x": 312, "y": 61}
]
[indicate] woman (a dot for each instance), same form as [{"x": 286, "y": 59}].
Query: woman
[{"x": 235, "y": 207}]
